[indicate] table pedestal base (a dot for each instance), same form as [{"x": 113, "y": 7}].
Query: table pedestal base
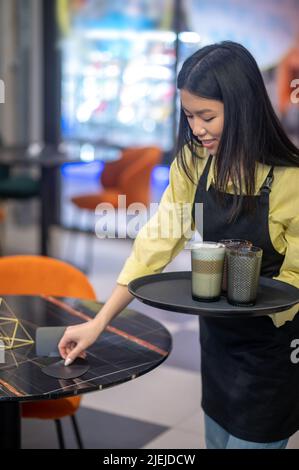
[{"x": 10, "y": 422}]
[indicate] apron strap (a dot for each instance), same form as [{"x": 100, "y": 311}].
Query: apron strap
[
  {"x": 267, "y": 184},
  {"x": 265, "y": 188}
]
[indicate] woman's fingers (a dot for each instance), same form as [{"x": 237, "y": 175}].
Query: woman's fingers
[
  {"x": 72, "y": 347},
  {"x": 76, "y": 340},
  {"x": 65, "y": 344},
  {"x": 73, "y": 354}
]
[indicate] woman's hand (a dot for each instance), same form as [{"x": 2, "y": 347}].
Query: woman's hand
[{"x": 77, "y": 339}]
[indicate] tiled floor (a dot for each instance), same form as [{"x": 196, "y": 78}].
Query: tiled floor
[{"x": 158, "y": 410}]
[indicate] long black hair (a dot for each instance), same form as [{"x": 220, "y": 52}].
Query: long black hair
[{"x": 252, "y": 132}]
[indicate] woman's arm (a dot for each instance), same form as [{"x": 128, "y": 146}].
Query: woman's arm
[
  {"x": 153, "y": 249},
  {"x": 78, "y": 338},
  {"x": 289, "y": 271}
]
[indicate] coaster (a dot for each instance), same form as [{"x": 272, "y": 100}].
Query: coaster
[{"x": 59, "y": 371}]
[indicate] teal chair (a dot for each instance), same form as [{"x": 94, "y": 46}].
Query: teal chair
[
  {"x": 19, "y": 187},
  {"x": 4, "y": 171}
]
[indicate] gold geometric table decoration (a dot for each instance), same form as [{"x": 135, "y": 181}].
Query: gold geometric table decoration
[{"x": 12, "y": 333}]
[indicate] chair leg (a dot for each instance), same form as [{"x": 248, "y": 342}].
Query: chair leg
[
  {"x": 71, "y": 241},
  {"x": 89, "y": 252},
  {"x": 1, "y": 240},
  {"x": 59, "y": 434},
  {"x": 77, "y": 432},
  {"x": 73, "y": 247}
]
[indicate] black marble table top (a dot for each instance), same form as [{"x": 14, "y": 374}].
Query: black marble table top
[{"x": 132, "y": 345}]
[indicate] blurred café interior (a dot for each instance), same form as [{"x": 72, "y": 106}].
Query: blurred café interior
[{"x": 88, "y": 88}]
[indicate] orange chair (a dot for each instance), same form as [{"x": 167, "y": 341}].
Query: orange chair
[
  {"x": 38, "y": 275},
  {"x": 112, "y": 170},
  {"x": 129, "y": 176},
  {"x": 2, "y": 214}
]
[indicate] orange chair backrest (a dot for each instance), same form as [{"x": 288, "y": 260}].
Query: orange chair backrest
[
  {"x": 40, "y": 275},
  {"x": 135, "y": 180},
  {"x": 113, "y": 170},
  {"x": 2, "y": 214}
]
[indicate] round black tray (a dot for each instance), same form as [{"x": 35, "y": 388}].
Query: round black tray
[{"x": 172, "y": 291}]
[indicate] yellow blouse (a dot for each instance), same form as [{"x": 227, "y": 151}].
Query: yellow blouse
[{"x": 151, "y": 253}]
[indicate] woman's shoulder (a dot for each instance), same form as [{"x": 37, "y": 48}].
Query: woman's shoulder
[
  {"x": 286, "y": 186},
  {"x": 287, "y": 176},
  {"x": 181, "y": 185},
  {"x": 195, "y": 162}
]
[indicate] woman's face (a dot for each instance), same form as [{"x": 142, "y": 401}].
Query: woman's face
[{"x": 205, "y": 118}]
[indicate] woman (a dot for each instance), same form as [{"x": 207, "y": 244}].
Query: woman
[{"x": 234, "y": 157}]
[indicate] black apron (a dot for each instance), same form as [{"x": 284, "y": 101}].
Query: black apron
[{"x": 250, "y": 385}]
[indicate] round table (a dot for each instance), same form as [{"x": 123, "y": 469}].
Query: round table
[{"x": 132, "y": 345}]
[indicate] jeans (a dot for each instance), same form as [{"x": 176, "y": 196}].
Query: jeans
[{"x": 218, "y": 438}]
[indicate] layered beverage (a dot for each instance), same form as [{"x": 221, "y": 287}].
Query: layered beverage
[{"x": 207, "y": 266}]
